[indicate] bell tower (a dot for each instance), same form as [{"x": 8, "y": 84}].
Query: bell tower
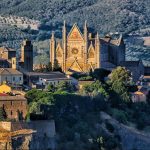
[{"x": 27, "y": 55}]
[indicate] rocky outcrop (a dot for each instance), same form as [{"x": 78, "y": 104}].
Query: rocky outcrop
[{"x": 131, "y": 139}]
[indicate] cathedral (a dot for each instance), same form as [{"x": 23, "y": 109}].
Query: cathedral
[{"x": 82, "y": 52}]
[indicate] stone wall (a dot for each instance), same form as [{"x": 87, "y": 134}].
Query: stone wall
[
  {"x": 42, "y": 139},
  {"x": 14, "y": 106},
  {"x": 42, "y": 128}
]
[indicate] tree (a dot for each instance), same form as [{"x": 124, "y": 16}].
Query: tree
[
  {"x": 64, "y": 86},
  {"x": 51, "y": 88},
  {"x": 100, "y": 74},
  {"x": 95, "y": 89},
  {"x": 49, "y": 67},
  {"x": 120, "y": 80},
  {"x": 56, "y": 66}
]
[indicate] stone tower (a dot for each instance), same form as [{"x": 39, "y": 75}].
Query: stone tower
[{"x": 27, "y": 55}]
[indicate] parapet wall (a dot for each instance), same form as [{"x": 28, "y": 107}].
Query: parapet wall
[{"x": 43, "y": 128}]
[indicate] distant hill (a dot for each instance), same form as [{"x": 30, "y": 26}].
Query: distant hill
[
  {"x": 103, "y": 15},
  {"x": 124, "y": 16}
]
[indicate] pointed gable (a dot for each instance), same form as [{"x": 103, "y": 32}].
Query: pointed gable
[
  {"x": 91, "y": 51},
  {"x": 59, "y": 51},
  {"x": 75, "y": 33},
  {"x": 4, "y": 71}
]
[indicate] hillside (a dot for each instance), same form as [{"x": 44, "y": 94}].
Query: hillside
[
  {"x": 104, "y": 15},
  {"x": 124, "y": 16}
]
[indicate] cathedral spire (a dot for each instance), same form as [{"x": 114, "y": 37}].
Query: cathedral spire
[
  {"x": 64, "y": 44},
  {"x": 85, "y": 31},
  {"x": 97, "y": 49},
  {"x": 97, "y": 36},
  {"x": 53, "y": 35},
  {"x": 86, "y": 45},
  {"x": 52, "y": 49}
]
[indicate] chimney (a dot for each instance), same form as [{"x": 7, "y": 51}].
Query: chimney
[{"x": 14, "y": 63}]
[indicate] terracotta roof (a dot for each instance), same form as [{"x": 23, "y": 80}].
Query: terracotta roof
[
  {"x": 3, "y": 94},
  {"x": 9, "y": 71},
  {"x": 13, "y": 98}
]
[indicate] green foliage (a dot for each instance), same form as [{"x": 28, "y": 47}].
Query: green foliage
[
  {"x": 120, "y": 80},
  {"x": 82, "y": 77},
  {"x": 87, "y": 78},
  {"x": 64, "y": 86},
  {"x": 51, "y": 88},
  {"x": 95, "y": 89}
]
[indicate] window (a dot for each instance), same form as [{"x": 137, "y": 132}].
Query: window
[
  {"x": 20, "y": 78},
  {"x": 13, "y": 78},
  {"x": 11, "y": 113}
]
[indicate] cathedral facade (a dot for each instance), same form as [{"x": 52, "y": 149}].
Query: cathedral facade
[{"x": 82, "y": 52}]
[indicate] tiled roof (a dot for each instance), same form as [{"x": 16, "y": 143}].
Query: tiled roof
[
  {"x": 13, "y": 98},
  {"x": 113, "y": 41},
  {"x": 9, "y": 71},
  {"x": 3, "y": 94}
]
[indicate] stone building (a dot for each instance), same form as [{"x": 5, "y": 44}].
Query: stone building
[
  {"x": 81, "y": 52},
  {"x": 11, "y": 76},
  {"x": 7, "y": 53},
  {"x": 14, "y": 106},
  {"x": 42, "y": 80},
  {"x": 6, "y": 56}
]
